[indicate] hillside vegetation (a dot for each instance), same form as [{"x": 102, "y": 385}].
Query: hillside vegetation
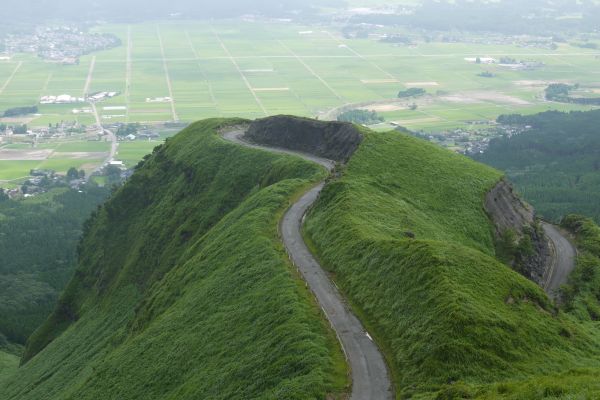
[
  {"x": 582, "y": 293},
  {"x": 38, "y": 241},
  {"x": 555, "y": 164},
  {"x": 183, "y": 289},
  {"x": 404, "y": 233}
]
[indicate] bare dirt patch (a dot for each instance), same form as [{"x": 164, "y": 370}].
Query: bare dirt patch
[
  {"x": 379, "y": 81},
  {"x": 456, "y": 98},
  {"x": 150, "y": 111},
  {"x": 479, "y": 97},
  {"x": 416, "y": 84},
  {"x": 78, "y": 155},
  {"x": 18, "y": 120},
  {"x": 24, "y": 155},
  {"x": 384, "y": 107},
  {"x": 273, "y": 89},
  {"x": 414, "y": 121},
  {"x": 537, "y": 83}
]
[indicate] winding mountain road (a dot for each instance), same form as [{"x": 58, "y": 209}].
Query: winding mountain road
[
  {"x": 563, "y": 259},
  {"x": 370, "y": 378}
]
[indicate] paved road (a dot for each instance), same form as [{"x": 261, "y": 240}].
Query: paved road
[
  {"x": 112, "y": 137},
  {"x": 370, "y": 379},
  {"x": 563, "y": 259}
]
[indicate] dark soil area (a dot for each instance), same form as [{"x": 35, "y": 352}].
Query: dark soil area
[{"x": 334, "y": 140}]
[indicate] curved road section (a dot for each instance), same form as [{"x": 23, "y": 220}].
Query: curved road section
[
  {"x": 563, "y": 259},
  {"x": 370, "y": 379}
]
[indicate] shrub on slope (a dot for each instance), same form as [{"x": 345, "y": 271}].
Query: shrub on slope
[
  {"x": 582, "y": 293},
  {"x": 405, "y": 234},
  {"x": 184, "y": 291}
]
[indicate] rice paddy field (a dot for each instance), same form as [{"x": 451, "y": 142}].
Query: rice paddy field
[{"x": 186, "y": 71}]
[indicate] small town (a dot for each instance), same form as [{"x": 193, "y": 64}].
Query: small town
[{"x": 60, "y": 44}]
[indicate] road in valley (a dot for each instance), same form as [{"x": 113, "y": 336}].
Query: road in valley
[
  {"x": 111, "y": 136},
  {"x": 563, "y": 259},
  {"x": 370, "y": 378}
]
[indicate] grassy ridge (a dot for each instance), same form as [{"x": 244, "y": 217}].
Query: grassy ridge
[
  {"x": 405, "y": 234},
  {"x": 184, "y": 290}
]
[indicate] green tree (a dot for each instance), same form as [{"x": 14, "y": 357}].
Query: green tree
[
  {"x": 411, "y": 92},
  {"x": 113, "y": 175},
  {"x": 72, "y": 174}
]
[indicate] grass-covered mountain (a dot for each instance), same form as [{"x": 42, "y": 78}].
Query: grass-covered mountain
[
  {"x": 183, "y": 289},
  {"x": 555, "y": 164},
  {"x": 405, "y": 234}
]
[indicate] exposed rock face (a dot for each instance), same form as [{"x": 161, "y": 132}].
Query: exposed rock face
[
  {"x": 508, "y": 212},
  {"x": 333, "y": 140}
]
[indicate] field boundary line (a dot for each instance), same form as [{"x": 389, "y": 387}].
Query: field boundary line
[
  {"x": 364, "y": 57},
  {"x": 235, "y": 64},
  {"x": 10, "y": 78},
  {"x": 360, "y": 55},
  {"x": 46, "y": 83},
  {"x": 88, "y": 80},
  {"x": 167, "y": 77},
  {"x": 128, "y": 66},
  {"x": 191, "y": 44},
  {"x": 208, "y": 84},
  {"x": 312, "y": 71}
]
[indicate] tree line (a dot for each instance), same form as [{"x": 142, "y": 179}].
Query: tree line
[{"x": 555, "y": 164}]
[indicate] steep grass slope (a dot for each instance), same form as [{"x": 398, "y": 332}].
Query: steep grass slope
[
  {"x": 581, "y": 294},
  {"x": 404, "y": 232},
  {"x": 8, "y": 364},
  {"x": 183, "y": 290}
]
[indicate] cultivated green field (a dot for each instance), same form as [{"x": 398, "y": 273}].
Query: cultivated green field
[
  {"x": 252, "y": 69},
  {"x": 59, "y": 155},
  {"x": 186, "y": 71}
]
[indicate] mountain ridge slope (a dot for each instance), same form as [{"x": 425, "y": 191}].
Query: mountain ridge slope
[{"x": 183, "y": 289}]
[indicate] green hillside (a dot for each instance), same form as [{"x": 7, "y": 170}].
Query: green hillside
[
  {"x": 38, "y": 239},
  {"x": 183, "y": 289},
  {"x": 406, "y": 237},
  {"x": 8, "y": 364}
]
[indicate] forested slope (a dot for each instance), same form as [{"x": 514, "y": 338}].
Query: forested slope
[
  {"x": 38, "y": 241},
  {"x": 555, "y": 164},
  {"x": 183, "y": 289}
]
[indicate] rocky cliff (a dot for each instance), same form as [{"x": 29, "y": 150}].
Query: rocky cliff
[
  {"x": 514, "y": 221},
  {"x": 334, "y": 140}
]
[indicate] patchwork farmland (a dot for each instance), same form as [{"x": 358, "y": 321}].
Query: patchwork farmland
[
  {"x": 187, "y": 71},
  {"x": 164, "y": 73}
]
